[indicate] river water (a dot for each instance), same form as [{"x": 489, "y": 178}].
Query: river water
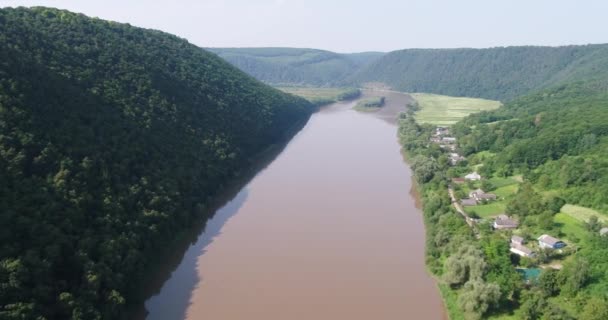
[{"x": 327, "y": 231}]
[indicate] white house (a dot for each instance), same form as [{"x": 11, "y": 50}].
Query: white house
[
  {"x": 603, "y": 231},
  {"x": 548, "y": 242},
  {"x": 521, "y": 250},
  {"x": 472, "y": 176}
]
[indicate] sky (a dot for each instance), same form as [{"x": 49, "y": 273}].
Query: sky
[{"x": 357, "y": 25}]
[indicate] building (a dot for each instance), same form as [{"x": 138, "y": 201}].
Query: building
[
  {"x": 505, "y": 222},
  {"x": 468, "y": 202},
  {"x": 517, "y": 240},
  {"x": 455, "y": 158},
  {"x": 448, "y": 140},
  {"x": 442, "y": 131},
  {"x": 479, "y": 195},
  {"x": 548, "y": 242},
  {"x": 604, "y": 232},
  {"x": 521, "y": 250},
  {"x": 458, "y": 180},
  {"x": 474, "y": 176}
]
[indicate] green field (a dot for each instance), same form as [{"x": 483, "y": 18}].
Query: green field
[
  {"x": 583, "y": 214},
  {"x": 571, "y": 227},
  {"x": 489, "y": 210},
  {"x": 322, "y": 96},
  {"x": 445, "y": 110}
]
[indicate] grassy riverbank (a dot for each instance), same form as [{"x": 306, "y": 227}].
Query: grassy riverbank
[
  {"x": 370, "y": 104},
  {"x": 323, "y": 96}
]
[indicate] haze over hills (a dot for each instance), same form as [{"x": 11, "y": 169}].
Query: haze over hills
[
  {"x": 292, "y": 66},
  {"x": 113, "y": 139}
]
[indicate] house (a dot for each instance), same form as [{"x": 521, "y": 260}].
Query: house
[
  {"x": 468, "y": 202},
  {"x": 435, "y": 140},
  {"x": 517, "y": 240},
  {"x": 442, "y": 131},
  {"x": 479, "y": 195},
  {"x": 455, "y": 158},
  {"x": 604, "y": 232},
  {"x": 472, "y": 176},
  {"x": 448, "y": 140},
  {"x": 521, "y": 250},
  {"x": 548, "y": 242},
  {"x": 458, "y": 180},
  {"x": 505, "y": 222}
]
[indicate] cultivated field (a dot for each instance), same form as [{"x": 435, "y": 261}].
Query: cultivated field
[
  {"x": 445, "y": 110},
  {"x": 582, "y": 214}
]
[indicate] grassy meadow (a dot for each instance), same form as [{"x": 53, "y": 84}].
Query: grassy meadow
[
  {"x": 446, "y": 110},
  {"x": 322, "y": 96}
]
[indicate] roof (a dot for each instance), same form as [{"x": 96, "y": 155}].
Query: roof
[
  {"x": 503, "y": 220},
  {"x": 603, "y": 231},
  {"x": 468, "y": 202},
  {"x": 517, "y": 239},
  {"x": 521, "y": 248},
  {"x": 486, "y": 196},
  {"x": 548, "y": 239},
  {"x": 478, "y": 191}
]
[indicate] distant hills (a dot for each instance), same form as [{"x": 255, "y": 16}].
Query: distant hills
[
  {"x": 495, "y": 73},
  {"x": 290, "y": 66},
  {"x": 113, "y": 140},
  {"x": 500, "y": 73}
]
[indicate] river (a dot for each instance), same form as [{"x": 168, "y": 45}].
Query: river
[{"x": 328, "y": 230}]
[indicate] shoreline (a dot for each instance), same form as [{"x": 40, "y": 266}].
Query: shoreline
[{"x": 169, "y": 257}]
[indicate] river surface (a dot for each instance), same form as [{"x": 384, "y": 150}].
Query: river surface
[{"x": 327, "y": 231}]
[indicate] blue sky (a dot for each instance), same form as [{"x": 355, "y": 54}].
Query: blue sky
[{"x": 356, "y": 25}]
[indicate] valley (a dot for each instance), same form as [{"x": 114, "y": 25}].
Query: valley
[{"x": 145, "y": 177}]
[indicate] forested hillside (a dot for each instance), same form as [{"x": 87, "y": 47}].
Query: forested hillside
[
  {"x": 290, "y": 66},
  {"x": 112, "y": 140},
  {"x": 496, "y": 73},
  {"x": 557, "y": 138}
]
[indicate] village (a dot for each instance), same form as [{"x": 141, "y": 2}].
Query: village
[{"x": 472, "y": 197}]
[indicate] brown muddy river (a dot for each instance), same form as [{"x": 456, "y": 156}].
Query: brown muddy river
[{"x": 327, "y": 231}]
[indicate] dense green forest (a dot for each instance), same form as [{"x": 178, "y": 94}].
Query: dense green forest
[
  {"x": 290, "y": 66},
  {"x": 113, "y": 139},
  {"x": 556, "y": 141},
  {"x": 495, "y": 73}
]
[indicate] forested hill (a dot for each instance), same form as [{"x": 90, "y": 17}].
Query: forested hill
[
  {"x": 112, "y": 140},
  {"x": 496, "y": 73},
  {"x": 290, "y": 66},
  {"x": 557, "y": 138}
]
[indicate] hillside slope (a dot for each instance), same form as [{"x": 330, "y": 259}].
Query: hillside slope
[
  {"x": 291, "y": 66},
  {"x": 558, "y": 137},
  {"x": 112, "y": 140},
  {"x": 496, "y": 73}
]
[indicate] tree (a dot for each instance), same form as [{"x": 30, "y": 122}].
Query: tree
[
  {"x": 574, "y": 276},
  {"x": 464, "y": 265},
  {"x": 548, "y": 282},
  {"x": 595, "y": 309},
  {"x": 593, "y": 225},
  {"x": 477, "y": 297},
  {"x": 533, "y": 306}
]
